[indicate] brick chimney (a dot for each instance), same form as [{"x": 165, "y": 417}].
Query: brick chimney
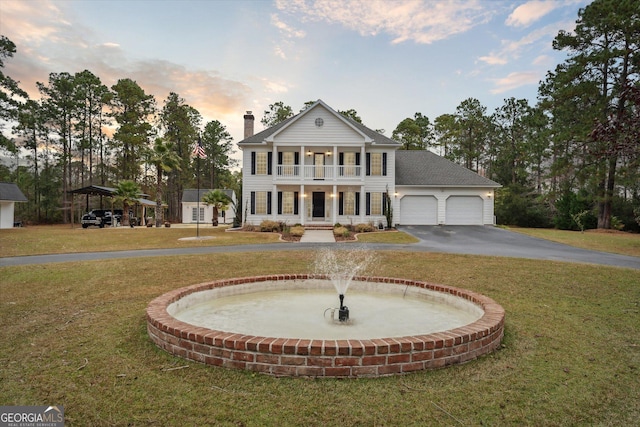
[{"x": 248, "y": 124}]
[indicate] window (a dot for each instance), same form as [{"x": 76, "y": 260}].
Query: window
[
  {"x": 349, "y": 203},
  {"x": 288, "y": 159},
  {"x": 374, "y": 203},
  {"x": 377, "y": 164},
  {"x": 261, "y": 163},
  {"x": 194, "y": 214},
  {"x": 261, "y": 202},
  {"x": 349, "y": 162},
  {"x": 288, "y": 202}
]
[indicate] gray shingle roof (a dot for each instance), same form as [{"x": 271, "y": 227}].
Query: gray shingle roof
[
  {"x": 375, "y": 136},
  {"x": 11, "y": 192},
  {"x": 191, "y": 195},
  {"x": 418, "y": 167}
]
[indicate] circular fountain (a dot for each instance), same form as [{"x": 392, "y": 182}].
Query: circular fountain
[{"x": 180, "y": 323}]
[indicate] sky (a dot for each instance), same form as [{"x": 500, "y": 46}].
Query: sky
[{"x": 386, "y": 59}]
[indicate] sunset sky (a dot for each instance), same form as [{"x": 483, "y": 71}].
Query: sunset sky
[{"x": 385, "y": 59}]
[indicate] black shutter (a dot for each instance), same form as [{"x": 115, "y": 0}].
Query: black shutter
[
  {"x": 253, "y": 163},
  {"x": 384, "y": 164},
  {"x": 368, "y": 203},
  {"x": 341, "y": 203},
  {"x": 357, "y": 203},
  {"x": 357, "y": 159},
  {"x": 368, "y": 164},
  {"x": 279, "y": 157},
  {"x": 341, "y": 159},
  {"x": 269, "y": 162},
  {"x": 268, "y": 202},
  {"x": 279, "y": 202},
  {"x": 296, "y": 158},
  {"x": 295, "y": 203},
  {"x": 253, "y": 202}
]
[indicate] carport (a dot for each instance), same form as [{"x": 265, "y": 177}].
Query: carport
[{"x": 100, "y": 191}]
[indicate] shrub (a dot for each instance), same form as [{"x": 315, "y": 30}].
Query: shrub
[
  {"x": 569, "y": 207},
  {"x": 521, "y": 206},
  {"x": 296, "y": 230},
  {"x": 364, "y": 228},
  {"x": 269, "y": 226},
  {"x": 341, "y": 231}
]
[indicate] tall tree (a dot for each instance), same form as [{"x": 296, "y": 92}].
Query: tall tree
[
  {"x": 132, "y": 110},
  {"x": 180, "y": 124},
  {"x": 409, "y": 134},
  {"x": 60, "y": 106},
  {"x": 217, "y": 143},
  {"x": 165, "y": 159},
  {"x": 604, "y": 61},
  {"x": 277, "y": 112},
  {"x": 472, "y": 131},
  {"x": 10, "y": 91},
  {"x": 445, "y": 131},
  {"x": 352, "y": 114},
  {"x": 92, "y": 98}
]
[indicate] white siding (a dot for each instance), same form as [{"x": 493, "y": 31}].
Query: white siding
[{"x": 333, "y": 131}]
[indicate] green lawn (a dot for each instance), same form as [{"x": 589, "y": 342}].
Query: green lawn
[
  {"x": 597, "y": 240},
  {"x": 74, "y": 334}
]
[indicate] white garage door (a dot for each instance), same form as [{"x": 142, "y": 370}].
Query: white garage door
[
  {"x": 464, "y": 210},
  {"x": 418, "y": 210}
]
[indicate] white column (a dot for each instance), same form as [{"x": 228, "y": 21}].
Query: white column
[
  {"x": 363, "y": 201},
  {"x": 302, "y": 210},
  {"x": 274, "y": 202},
  {"x": 334, "y": 204}
]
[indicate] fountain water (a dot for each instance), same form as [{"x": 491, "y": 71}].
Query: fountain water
[
  {"x": 341, "y": 267},
  {"x": 267, "y": 324}
]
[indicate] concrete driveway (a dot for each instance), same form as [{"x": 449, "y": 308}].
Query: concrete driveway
[{"x": 493, "y": 241}]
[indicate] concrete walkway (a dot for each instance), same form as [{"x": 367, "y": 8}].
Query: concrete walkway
[{"x": 317, "y": 236}]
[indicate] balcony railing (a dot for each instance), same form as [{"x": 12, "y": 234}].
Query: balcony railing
[{"x": 312, "y": 172}]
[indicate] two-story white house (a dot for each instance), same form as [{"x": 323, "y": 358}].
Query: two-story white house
[{"x": 321, "y": 168}]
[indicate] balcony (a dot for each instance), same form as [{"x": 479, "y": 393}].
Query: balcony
[{"x": 318, "y": 173}]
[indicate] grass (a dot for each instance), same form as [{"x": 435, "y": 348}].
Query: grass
[
  {"x": 37, "y": 240},
  {"x": 597, "y": 240},
  {"x": 74, "y": 334}
]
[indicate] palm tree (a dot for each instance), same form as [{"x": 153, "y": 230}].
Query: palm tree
[
  {"x": 126, "y": 192},
  {"x": 219, "y": 200},
  {"x": 165, "y": 159}
]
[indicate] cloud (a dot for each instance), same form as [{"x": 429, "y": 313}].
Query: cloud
[
  {"x": 513, "y": 49},
  {"x": 527, "y": 13},
  {"x": 421, "y": 21},
  {"x": 515, "y": 80},
  {"x": 47, "y": 43}
]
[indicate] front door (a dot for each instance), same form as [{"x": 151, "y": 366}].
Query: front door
[
  {"x": 318, "y": 204},
  {"x": 318, "y": 162}
]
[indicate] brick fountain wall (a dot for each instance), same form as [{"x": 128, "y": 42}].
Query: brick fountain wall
[{"x": 347, "y": 358}]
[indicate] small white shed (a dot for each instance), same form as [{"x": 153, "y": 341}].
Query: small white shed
[
  {"x": 194, "y": 210},
  {"x": 9, "y": 195}
]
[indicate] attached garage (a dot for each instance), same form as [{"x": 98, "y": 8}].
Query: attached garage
[
  {"x": 464, "y": 210},
  {"x": 419, "y": 210},
  {"x": 431, "y": 190}
]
